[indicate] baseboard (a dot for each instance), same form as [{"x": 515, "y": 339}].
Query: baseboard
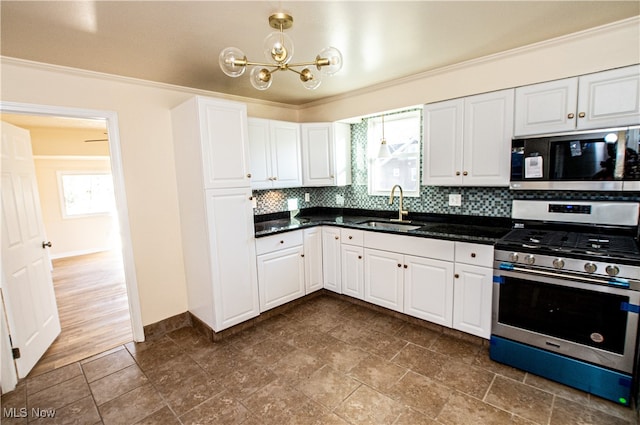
[{"x": 159, "y": 329}]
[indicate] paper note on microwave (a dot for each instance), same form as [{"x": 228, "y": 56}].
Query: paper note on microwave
[{"x": 533, "y": 167}]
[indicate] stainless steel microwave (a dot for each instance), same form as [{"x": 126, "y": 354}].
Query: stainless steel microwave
[{"x": 589, "y": 160}]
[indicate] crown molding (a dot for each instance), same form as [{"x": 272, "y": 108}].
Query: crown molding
[{"x": 138, "y": 81}]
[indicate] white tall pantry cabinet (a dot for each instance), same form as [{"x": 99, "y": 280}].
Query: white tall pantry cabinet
[{"x": 216, "y": 217}]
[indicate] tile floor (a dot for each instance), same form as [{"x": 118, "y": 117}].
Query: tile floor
[{"x": 326, "y": 361}]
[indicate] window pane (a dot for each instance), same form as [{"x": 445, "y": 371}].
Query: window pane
[
  {"x": 402, "y": 132},
  {"x": 87, "y": 194}
]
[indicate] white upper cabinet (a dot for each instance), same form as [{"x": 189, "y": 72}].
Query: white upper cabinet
[
  {"x": 216, "y": 131},
  {"x": 600, "y": 100},
  {"x": 467, "y": 141},
  {"x": 275, "y": 154},
  {"x": 326, "y": 154}
]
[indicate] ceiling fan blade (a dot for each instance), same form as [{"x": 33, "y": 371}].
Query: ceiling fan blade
[{"x": 96, "y": 140}]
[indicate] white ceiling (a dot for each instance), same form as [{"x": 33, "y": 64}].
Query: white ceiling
[{"x": 178, "y": 42}]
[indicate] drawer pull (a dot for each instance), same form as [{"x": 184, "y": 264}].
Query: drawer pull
[
  {"x": 350, "y": 237},
  {"x": 405, "y": 266},
  {"x": 473, "y": 255},
  {"x": 457, "y": 276},
  {"x": 570, "y": 116},
  {"x": 337, "y": 237},
  {"x": 582, "y": 115},
  {"x": 281, "y": 241},
  {"x": 359, "y": 257},
  {"x": 302, "y": 255},
  {"x": 399, "y": 265}
]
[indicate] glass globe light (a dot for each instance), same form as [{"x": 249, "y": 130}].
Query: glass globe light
[
  {"x": 278, "y": 47},
  {"x": 334, "y": 58},
  {"x": 310, "y": 80},
  {"x": 232, "y": 61},
  {"x": 260, "y": 78}
]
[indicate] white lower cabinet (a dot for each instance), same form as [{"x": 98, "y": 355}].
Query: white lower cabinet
[
  {"x": 313, "y": 260},
  {"x": 352, "y": 260},
  {"x": 384, "y": 278},
  {"x": 280, "y": 263},
  {"x": 473, "y": 286},
  {"x": 331, "y": 267},
  {"x": 428, "y": 289}
]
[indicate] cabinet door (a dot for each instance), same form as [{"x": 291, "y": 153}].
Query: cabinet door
[
  {"x": 331, "y": 267},
  {"x": 383, "y": 278},
  {"x": 313, "y": 259},
  {"x": 488, "y": 130},
  {"x": 546, "y": 107},
  {"x": 317, "y": 155},
  {"x": 286, "y": 157},
  {"x": 472, "y": 299},
  {"x": 610, "y": 98},
  {"x": 225, "y": 152},
  {"x": 280, "y": 277},
  {"x": 428, "y": 289},
  {"x": 442, "y": 151},
  {"x": 353, "y": 271},
  {"x": 260, "y": 151},
  {"x": 232, "y": 250}
]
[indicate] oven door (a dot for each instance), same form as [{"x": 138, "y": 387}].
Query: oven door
[{"x": 591, "y": 322}]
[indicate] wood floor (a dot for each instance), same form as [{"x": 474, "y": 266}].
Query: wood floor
[{"x": 92, "y": 303}]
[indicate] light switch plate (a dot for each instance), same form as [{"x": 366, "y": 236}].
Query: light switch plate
[
  {"x": 339, "y": 199},
  {"x": 455, "y": 200}
]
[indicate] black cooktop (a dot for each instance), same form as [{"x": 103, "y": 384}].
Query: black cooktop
[{"x": 569, "y": 242}]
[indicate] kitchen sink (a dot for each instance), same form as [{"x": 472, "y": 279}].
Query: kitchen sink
[{"x": 387, "y": 225}]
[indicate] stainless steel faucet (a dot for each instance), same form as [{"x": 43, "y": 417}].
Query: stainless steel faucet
[{"x": 401, "y": 212}]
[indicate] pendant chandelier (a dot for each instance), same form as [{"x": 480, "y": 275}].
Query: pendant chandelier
[
  {"x": 383, "y": 152},
  {"x": 278, "y": 48}
]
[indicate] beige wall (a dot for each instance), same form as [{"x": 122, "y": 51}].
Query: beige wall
[
  {"x": 582, "y": 53},
  {"x": 147, "y": 149},
  {"x": 68, "y": 141},
  {"x": 76, "y": 235}
]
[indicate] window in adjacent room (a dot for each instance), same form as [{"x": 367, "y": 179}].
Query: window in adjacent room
[
  {"x": 403, "y": 134},
  {"x": 86, "y": 193}
]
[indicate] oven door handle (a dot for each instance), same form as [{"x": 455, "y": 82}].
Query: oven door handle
[{"x": 615, "y": 283}]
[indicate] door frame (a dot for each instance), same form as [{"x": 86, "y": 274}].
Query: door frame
[{"x": 111, "y": 118}]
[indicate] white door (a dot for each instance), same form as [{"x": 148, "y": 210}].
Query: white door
[
  {"x": 280, "y": 277},
  {"x": 331, "y": 267},
  {"x": 353, "y": 271},
  {"x": 313, "y": 259},
  {"x": 473, "y": 287},
  {"x": 27, "y": 287},
  {"x": 610, "y": 98},
  {"x": 260, "y": 153},
  {"x": 428, "y": 289},
  {"x": 546, "y": 107},
  {"x": 383, "y": 278},
  {"x": 286, "y": 158},
  {"x": 442, "y": 150},
  {"x": 488, "y": 130}
]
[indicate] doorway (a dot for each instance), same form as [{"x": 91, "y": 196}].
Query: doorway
[{"x": 116, "y": 264}]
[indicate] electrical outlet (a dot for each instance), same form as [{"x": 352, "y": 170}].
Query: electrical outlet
[
  {"x": 455, "y": 200},
  {"x": 306, "y": 197},
  {"x": 339, "y": 199}
]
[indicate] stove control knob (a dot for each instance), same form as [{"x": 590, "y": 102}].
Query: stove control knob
[
  {"x": 612, "y": 270},
  {"x": 513, "y": 257},
  {"x": 558, "y": 263},
  {"x": 590, "y": 268},
  {"x": 530, "y": 259}
]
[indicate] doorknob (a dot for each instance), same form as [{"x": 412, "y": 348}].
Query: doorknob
[{"x": 46, "y": 244}]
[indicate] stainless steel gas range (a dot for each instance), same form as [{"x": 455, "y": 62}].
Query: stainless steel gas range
[{"x": 566, "y": 294}]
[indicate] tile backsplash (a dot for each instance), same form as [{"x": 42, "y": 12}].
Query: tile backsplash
[{"x": 477, "y": 201}]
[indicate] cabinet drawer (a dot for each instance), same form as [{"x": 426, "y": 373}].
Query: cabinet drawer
[
  {"x": 474, "y": 254},
  {"x": 352, "y": 237},
  {"x": 410, "y": 245},
  {"x": 279, "y": 241}
]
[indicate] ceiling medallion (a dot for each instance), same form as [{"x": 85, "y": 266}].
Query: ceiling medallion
[{"x": 278, "y": 48}]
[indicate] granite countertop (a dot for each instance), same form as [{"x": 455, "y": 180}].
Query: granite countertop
[{"x": 475, "y": 229}]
